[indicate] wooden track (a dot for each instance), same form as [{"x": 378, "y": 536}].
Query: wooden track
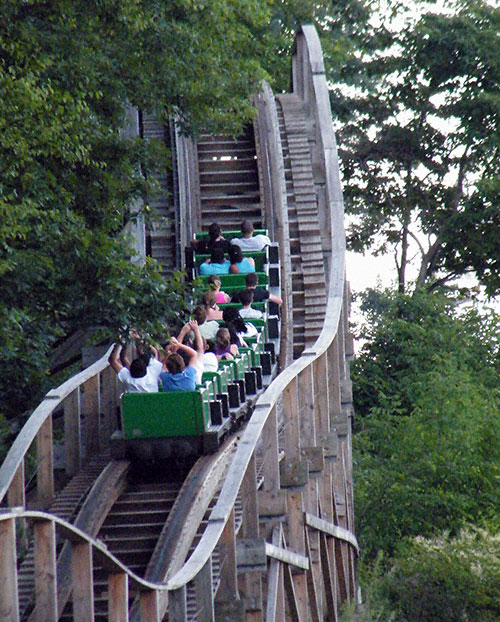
[
  {"x": 266, "y": 531},
  {"x": 308, "y": 266}
]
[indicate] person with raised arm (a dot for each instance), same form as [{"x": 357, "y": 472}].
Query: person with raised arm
[
  {"x": 178, "y": 376},
  {"x": 142, "y": 374}
]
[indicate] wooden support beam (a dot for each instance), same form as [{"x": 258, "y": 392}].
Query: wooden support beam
[
  {"x": 177, "y": 605},
  {"x": 118, "y": 597},
  {"x": 312, "y": 592},
  {"x": 228, "y": 584},
  {"x": 16, "y": 497},
  {"x": 250, "y": 529},
  {"x": 321, "y": 393},
  {"x": 91, "y": 410},
  {"x": 148, "y": 602},
  {"x": 294, "y": 609},
  {"x": 329, "y": 582},
  {"x": 72, "y": 432},
  {"x": 9, "y": 604},
  {"x": 275, "y": 604},
  {"x": 291, "y": 431},
  {"x": 45, "y": 464},
  {"x": 334, "y": 402},
  {"x": 45, "y": 572},
  {"x": 271, "y": 452},
  {"x": 109, "y": 402},
  {"x": 204, "y": 594},
  {"x": 306, "y": 407},
  {"x": 83, "y": 585}
]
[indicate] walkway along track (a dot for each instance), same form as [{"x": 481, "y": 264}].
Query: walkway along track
[{"x": 298, "y": 509}]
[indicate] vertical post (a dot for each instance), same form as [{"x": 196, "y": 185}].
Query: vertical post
[
  {"x": 270, "y": 450},
  {"x": 275, "y": 610},
  {"x": 108, "y": 405},
  {"x": 228, "y": 585},
  {"x": 253, "y": 580},
  {"x": 16, "y": 496},
  {"x": 118, "y": 597},
  {"x": 204, "y": 594},
  {"x": 295, "y": 517},
  {"x": 83, "y": 587},
  {"x": 306, "y": 401},
  {"x": 150, "y": 611},
  {"x": 177, "y": 605},
  {"x": 45, "y": 463},
  {"x": 45, "y": 572},
  {"x": 91, "y": 409},
  {"x": 9, "y": 604},
  {"x": 72, "y": 433}
]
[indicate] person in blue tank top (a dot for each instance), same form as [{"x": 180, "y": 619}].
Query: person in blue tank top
[
  {"x": 217, "y": 264},
  {"x": 240, "y": 264}
]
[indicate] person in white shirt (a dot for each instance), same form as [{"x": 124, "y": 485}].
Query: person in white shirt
[
  {"x": 246, "y": 299},
  {"x": 139, "y": 376},
  {"x": 249, "y": 241}
]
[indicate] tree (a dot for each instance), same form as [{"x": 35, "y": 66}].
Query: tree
[
  {"x": 419, "y": 141},
  {"x": 444, "y": 578},
  {"x": 68, "y": 177},
  {"x": 426, "y": 443}
]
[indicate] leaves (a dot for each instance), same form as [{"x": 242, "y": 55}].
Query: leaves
[{"x": 420, "y": 140}]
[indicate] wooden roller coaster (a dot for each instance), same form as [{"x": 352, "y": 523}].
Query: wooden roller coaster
[{"x": 264, "y": 528}]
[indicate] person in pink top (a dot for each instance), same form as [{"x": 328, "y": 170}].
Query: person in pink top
[
  {"x": 212, "y": 310},
  {"x": 215, "y": 285}
]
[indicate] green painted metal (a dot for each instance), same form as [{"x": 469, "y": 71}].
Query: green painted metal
[
  {"x": 260, "y": 258},
  {"x": 230, "y": 234},
  {"x": 175, "y": 413},
  {"x": 235, "y": 280}
]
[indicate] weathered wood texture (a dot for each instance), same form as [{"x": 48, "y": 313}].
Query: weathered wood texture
[{"x": 310, "y": 566}]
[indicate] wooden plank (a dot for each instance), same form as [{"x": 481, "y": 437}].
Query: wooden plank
[
  {"x": 294, "y": 610},
  {"x": 148, "y": 602},
  {"x": 91, "y": 411},
  {"x": 320, "y": 373},
  {"x": 289, "y": 557},
  {"x": 177, "y": 605},
  {"x": 45, "y": 572},
  {"x": 9, "y": 604},
  {"x": 118, "y": 597},
  {"x": 83, "y": 587},
  {"x": 329, "y": 583},
  {"x": 109, "y": 403},
  {"x": 16, "y": 497},
  {"x": 275, "y": 610},
  {"x": 291, "y": 415},
  {"x": 332, "y": 530},
  {"x": 45, "y": 464},
  {"x": 204, "y": 594},
  {"x": 252, "y": 580},
  {"x": 72, "y": 433},
  {"x": 312, "y": 592},
  {"x": 228, "y": 585},
  {"x": 271, "y": 452},
  {"x": 306, "y": 401}
]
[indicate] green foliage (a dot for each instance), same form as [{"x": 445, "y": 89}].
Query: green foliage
[
  {"x": 419, "y": 143},
  {"x": 427, "y": 442},
  {"x": 443, "y": 578}
]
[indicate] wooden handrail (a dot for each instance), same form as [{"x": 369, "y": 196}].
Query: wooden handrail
[
  {"x": 31, "y": 428},
  {"x": 269, "y": 398}
]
